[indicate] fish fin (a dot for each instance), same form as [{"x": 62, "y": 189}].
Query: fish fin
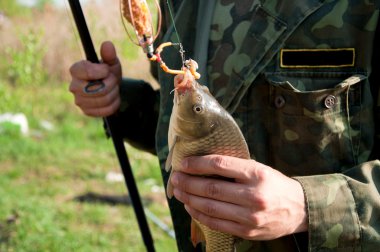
[
  {"x": 197, "y": 235},
  {"x": 169, "y": 187},
  {"x": 168, "y": 163}
]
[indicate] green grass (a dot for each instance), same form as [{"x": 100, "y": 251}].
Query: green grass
[{"x": 41, "y": 174}]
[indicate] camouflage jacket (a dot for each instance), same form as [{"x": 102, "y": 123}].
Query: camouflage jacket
[{"x": 302, "y": 81}]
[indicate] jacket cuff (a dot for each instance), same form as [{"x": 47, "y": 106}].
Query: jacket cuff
[
  {"x": 138, "y": 114},
  {"x": 332, "y": 217}
]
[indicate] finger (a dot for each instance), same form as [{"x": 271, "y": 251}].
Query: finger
[
  {"x": 245, "y": 231},
  {"x": 89, "y": 89},
  {"x": 231, "y": 192},
  {"x": 214, "y": 208},
  {"x": 109, "y": 56},
  {"x": 224, "y": 166},
  {"x": 77, "y": 87},
  {"x": 225, "y": 226},
  {"x": 85, "y": 70},
  {"x": 92, "y": 102},
  {"x": 103, "y": 111},
  {"x": 108, "y": 53}
]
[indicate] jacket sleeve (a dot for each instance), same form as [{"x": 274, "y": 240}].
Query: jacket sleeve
[
  {"x": 344, "y": 209},
  {"x": 138, "y": 113}
]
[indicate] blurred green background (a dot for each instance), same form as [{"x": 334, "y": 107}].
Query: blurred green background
[{"x": 55, "y": 188}]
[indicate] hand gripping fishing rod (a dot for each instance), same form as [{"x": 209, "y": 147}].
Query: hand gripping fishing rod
[{"x": 112, "y": 128}]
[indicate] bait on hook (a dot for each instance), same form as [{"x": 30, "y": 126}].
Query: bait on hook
[{"x": 138, "y": 14}]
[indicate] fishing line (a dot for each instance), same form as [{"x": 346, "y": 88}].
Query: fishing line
[
  {"x": 115, "y": 132},
  {"x": 296, "y": 242},
  {"x": 172, "y": 19},
  {"x": 102, "y": 124},
  {"x": 181, "y": 51},
  {"x": 144, "y": 228},
  {"x": 78, "y": 44},
  {"x": 73, "y": 27}
]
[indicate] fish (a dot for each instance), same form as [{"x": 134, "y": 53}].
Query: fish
[{"x": 198, "y": 126}]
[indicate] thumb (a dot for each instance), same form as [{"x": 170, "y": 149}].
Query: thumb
[
  {"x": 109, "y": 57},
  {"x": 108, "y": 53}
]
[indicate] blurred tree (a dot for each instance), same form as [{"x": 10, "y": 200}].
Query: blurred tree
[
  {"x": 15, "y": 8},
  {"x": 11, "y": 7},
  {"x": 42, "y": 3}
]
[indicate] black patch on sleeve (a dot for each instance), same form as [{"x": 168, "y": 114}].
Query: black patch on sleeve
[{"x": 317, "y": 58}]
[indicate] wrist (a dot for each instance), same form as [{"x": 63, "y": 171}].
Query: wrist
[{"x": 302, "y": 215}]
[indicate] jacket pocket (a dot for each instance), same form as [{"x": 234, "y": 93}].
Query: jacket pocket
[{"x": 323, "y": 129}]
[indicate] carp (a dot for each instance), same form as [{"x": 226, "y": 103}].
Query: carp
[{"x": 198, "y": 126}]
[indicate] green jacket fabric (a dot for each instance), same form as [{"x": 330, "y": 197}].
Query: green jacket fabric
[{"x": 301, "y": 78}]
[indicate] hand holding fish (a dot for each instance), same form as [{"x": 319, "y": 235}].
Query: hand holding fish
[
  {"x": 262, "y": 203},
  {"x": 107, "y": 101}
]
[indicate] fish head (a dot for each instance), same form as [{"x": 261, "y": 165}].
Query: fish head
[{"x": 196, "y": 113}]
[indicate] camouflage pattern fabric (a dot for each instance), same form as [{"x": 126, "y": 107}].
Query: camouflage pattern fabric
[{"x": 314, "y": 122}]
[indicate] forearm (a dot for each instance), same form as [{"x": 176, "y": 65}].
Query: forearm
[{"x": 138, "y": 113}]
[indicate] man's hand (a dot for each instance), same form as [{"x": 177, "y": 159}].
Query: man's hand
[
  {"x": 106, "y": 102},
  {"x": 262, "y": 203}
]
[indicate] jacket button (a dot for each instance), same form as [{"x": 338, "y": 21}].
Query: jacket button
[
  {"x": 279, "y": 101},
  {"x": 330, "y": 101}
]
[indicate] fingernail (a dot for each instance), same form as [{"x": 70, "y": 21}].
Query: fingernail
[
  {"x": 174, "y": 179},
  {"x": 187, "y": 208},
  {"x": 176, "y": 193},
  {"x": 184, "y": 163}
]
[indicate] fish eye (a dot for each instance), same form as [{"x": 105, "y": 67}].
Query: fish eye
[{"x": 197, "y": 109}]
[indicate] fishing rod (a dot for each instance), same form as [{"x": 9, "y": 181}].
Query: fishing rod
[{"x": 112, "y": 128}]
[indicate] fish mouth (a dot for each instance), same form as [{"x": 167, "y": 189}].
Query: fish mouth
[
  {"x": 183, "y": 83},
  {"x": 183, "y": 86}
]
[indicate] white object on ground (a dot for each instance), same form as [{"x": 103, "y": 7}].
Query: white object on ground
[{"x": 16, "y": 119}]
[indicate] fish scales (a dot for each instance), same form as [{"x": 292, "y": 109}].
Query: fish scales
[
  {"x": 222, "y": 141},
  {"x": 200, "y": 126}
]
